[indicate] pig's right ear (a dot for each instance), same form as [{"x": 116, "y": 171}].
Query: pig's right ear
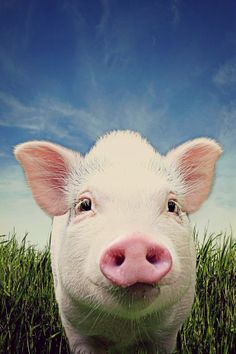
[{"x": 47, "y": 167}]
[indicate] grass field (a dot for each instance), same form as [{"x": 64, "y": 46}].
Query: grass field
[{"x": 29, "y": 321}]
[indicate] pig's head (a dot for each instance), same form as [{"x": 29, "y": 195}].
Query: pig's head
[{"x": 126, "y": 243}]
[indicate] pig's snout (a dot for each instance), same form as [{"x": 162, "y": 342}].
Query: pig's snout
[{"x": 135, "y": 259}]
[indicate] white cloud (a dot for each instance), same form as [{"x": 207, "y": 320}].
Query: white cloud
[
  {"x": 49, "y": 116},
  {"x": 226, "y": 75},
  {"x": 53, "y": 118}
]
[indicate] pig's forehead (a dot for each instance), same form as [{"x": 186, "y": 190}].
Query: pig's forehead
[
  {"x": 127, "y": 176},
  {"x": 122, "y": 181},
  {"x": 122, "y": 145},
  {"x": 124, "y": 158}
]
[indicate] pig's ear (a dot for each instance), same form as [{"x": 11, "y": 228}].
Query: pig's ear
[
  {"x": 47, "y": 167},
  {"x": 194, "y": 162}
]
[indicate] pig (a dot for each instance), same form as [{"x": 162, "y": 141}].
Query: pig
[{"x": 122, "y": 251}]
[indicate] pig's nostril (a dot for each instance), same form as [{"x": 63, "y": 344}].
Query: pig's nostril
[
  {"x": 119, "y": 259},
  {"x": 152, "y": 259}
]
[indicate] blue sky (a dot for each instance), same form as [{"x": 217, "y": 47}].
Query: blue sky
[{"x": 73, "y": 70}]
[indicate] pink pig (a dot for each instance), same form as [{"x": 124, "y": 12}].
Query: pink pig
[{"x": 123, "y": 257}]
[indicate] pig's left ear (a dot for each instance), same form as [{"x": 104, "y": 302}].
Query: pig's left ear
[
  {"x": 194, "y": 162},
  {"x": 47, "y": 168}
]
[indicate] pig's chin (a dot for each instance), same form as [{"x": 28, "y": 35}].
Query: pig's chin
[{"x": 135, "y": 297}]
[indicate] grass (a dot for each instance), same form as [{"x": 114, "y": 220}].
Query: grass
[{"x": 29, "y": 320}]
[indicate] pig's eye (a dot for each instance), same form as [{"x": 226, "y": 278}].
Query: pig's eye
[
  {"x": 84, "y": 205},
  {"x": 173, "y": 207}
]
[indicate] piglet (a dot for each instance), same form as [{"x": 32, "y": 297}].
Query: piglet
[{"x": 122, "y": 252}]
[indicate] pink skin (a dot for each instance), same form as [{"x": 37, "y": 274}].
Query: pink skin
[{"x": 135, "y": 259}]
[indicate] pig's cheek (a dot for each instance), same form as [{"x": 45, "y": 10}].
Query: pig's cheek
[
  {"x": 77, "y": 267},
  {"x": 71, "y": 262},
  {"x": 178, "y": 237},
  {"x": 186, "y": 257}
]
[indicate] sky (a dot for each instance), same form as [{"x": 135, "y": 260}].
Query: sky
[{"x": 71, "y": 71}]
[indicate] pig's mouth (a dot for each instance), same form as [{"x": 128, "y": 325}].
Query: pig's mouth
[
  {"x": 134, "y": 297},
  {"x": 138, "y": 294}
]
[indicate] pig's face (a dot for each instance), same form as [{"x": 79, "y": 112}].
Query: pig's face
[
  {"x": 127, "y": 244},
  {"x": 122, "y": 205}
]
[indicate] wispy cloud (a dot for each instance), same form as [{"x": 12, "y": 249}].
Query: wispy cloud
[
  {"x": 175, "y": 10},
  {"x": 105, "y": 16},
  {"x": 226, "y": 75},
  {"x": 57, "y": 119},
  {"x": 46, "y": 116},
  {"x": 227, "y": 115}
]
